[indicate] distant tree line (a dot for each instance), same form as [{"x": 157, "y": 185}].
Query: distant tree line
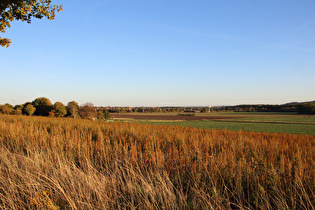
[
  {"x": 43, "y": 107},
  {"x": 238, "y": 108},
  {"x": 306, "y": 108},
  {"x": 301, "y": 108},
  {"x": 144, "y": 109},
  {"x": 259, "y": 108}
]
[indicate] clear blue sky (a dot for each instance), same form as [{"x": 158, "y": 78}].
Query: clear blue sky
[{"x": 164, "y": 53}]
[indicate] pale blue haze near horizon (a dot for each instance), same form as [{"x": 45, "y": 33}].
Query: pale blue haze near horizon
[{"x": 164, "y": 53}]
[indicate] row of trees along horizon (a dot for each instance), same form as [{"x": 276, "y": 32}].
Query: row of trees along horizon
[
  {"x": 43, "y": 107},
  {"x": 300, "y": 108}
]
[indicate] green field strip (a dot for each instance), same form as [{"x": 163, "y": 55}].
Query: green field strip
[{"x": 245, "y": 126}]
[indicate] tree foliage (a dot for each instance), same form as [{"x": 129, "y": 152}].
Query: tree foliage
[
  {"x": 59, "y": 109},
  {"x": 88, "y": 111},
  {"x": 29, "y": 109},
  {"x": 17, "y": 110},
  {"x": 24, "y": 10},
  {"x": 18, "y": 107},
  {"x": 43, "y": 106},
  {"x": 103, "y": 114},
  {"x": 6, "y": 109},
  {"x": 73, "y": 109},
  {"x": 306, "y": 108}
]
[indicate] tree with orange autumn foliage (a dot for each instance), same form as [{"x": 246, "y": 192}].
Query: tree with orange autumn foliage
[{"x": 24, "y": 10}]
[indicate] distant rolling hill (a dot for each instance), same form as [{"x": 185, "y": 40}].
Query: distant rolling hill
[{"x": 295, "y": 103}]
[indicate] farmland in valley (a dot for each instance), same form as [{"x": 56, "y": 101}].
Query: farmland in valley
[
  {"x": 54, "y": 163},
  {"x": 258, "y": 122}
]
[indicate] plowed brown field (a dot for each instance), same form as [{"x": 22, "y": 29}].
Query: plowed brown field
[{"x": 168, "y": 117}]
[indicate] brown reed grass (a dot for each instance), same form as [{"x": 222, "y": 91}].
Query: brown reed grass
[{"x": 55, "y": 163}]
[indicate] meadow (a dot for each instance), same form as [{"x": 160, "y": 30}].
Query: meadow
[{"x": 62, "y": 163}]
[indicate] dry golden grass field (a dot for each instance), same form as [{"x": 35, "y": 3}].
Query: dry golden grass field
[{"x": 51, "y": 163}]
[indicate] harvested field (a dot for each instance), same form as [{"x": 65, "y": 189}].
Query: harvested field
[{"x": 169, "y": 117}]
